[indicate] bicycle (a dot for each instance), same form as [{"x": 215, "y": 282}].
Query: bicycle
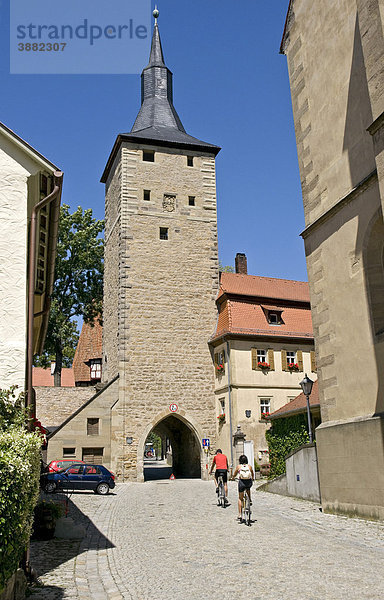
[
  {"x": 221, "y": 499},
  {"x": 246, "y": 509}
]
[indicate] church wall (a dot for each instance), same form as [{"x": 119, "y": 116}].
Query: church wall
[
  {"x": 328, "y": 57},
  {"x": 167, "y": 296}
]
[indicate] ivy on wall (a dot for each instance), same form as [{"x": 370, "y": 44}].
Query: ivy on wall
[
  {"x": 19, "y": 483},
  {"x": 283, "y": 437}
]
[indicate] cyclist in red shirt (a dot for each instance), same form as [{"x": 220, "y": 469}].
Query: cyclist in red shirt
[{"x": 220, "y": 461}]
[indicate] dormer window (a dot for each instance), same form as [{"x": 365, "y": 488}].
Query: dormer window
[
  {"x": 273, "y": 314},
  {"x": 95, "y": 369}
]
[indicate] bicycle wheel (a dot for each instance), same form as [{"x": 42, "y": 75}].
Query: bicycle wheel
[
  {"x": 247, "y": 509},
  {"x": 221, "y": 494}
]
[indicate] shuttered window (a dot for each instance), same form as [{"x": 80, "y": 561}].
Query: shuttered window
[
  {"x": 94, "y": 456},
  {"x": 254, "y": 359},
  {"x": 313, "y": 361},
  {"x": 219, "y": 359},
  {"x": 92, "y": 426}
]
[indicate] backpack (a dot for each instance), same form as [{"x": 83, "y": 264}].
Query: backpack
[{"x": 245, "y": 472}]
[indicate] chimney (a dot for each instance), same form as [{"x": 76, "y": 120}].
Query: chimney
[{"x": 241, "y": 264}]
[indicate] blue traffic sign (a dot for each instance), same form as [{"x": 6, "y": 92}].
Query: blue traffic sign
[{"x": 206, "y": 443}]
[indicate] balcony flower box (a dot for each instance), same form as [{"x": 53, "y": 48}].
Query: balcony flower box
[
  {"x": 264, "y": 366},
  {"x": 264, "y": 416},
  {"x": 220, "y": 369},
  {"x": 293, "y": 367},
  {"x": 221, "y": 418}
]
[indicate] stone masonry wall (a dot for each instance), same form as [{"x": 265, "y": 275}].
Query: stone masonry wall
[
  {"x": 167, "y": 297},
  {"x": 55, "y": 404},
  {"x": 111, "y": 273}
]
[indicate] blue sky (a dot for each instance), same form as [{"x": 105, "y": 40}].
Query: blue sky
[{"x": 230, "y": 88}]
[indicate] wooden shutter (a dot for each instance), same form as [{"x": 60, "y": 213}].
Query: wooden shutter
[
  {"x": 93, "y": 456},
  {"x": 254, "y": 359},
  {"x": 271, "y": 359},
  {"x": 313, "y": 361},
  {"x": 92, "y": 426},
  {"x": 299, "y": 355},
  {"x": 284, "y": 360}
]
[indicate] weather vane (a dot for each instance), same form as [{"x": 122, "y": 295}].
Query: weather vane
[{"x": 155, "y": 14}]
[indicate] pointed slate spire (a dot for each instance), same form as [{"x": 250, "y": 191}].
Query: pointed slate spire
[
  {"x": 158, "y": 122},
  {"x": 157, "y": 108}
]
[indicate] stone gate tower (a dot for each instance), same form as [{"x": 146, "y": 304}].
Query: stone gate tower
[{"x": 161, "y": 280}]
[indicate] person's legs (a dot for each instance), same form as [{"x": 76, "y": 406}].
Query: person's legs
[{"x": 240, "y": 502}]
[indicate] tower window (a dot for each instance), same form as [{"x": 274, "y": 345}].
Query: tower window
[
  {"x": 149, "y": 155},
  {"x": 163, "y": 233},
  {"x": 190, "y": 161},
  {"x": 147, "y": 194},
  {"x": 191, "y": 200}
]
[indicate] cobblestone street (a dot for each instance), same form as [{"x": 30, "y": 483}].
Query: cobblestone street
[{"x": 167, "y": 540}]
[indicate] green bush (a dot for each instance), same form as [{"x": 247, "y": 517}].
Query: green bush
[
  {"x": 19, "y": 483},
  {"x": 283, "y": 437}
]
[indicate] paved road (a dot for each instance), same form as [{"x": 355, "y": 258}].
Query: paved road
[{"x": 167, "y": 540}]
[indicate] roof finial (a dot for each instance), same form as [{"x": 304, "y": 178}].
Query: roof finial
[{"x": 155, "y": 14}]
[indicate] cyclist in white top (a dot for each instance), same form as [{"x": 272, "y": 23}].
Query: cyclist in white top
[{"x": 246, "y": 476}]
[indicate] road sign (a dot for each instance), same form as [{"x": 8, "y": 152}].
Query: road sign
[
  {"x": 173, "y": 407},
  {"x": 205, "y": 442}
]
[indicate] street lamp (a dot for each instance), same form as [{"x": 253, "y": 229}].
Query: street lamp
[{"x": 306, "y": 386}]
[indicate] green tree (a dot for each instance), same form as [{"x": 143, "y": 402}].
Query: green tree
[
  {"x": 78, "y": 287},
  {"x": 226, "y": 268}
]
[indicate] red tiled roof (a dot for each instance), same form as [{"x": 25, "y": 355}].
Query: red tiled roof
[
  {"x": 299, "y": 404},
  {"x": 263, "y": 287},
  {"x": 43, "y": 378},
  {"x": 89, "y": 347},
  {"x": 241, "y": 307}
]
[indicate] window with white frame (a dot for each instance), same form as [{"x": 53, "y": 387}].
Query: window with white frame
[
  {"x": 291, "y": 358},
  {"x": 222, "y": 406},
  {"x": 261, "y": 356},
  {"x": 265, "y": 406},
  {"x": 95, "y": 366}
]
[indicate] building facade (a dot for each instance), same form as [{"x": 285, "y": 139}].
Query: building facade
[
  {"x": 30, "y": 193},
  {"x": 263, "y": 345},
  {"x": 161, "y": 281},
  {"x": 335, "y": 53}
]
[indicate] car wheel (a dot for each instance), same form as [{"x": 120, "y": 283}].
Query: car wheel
[
  {"x": 102, "y": 488},
  {"x": 50, "y": 487}
]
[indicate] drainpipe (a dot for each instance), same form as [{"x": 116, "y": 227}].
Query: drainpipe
[
  {"x": 230, "y": 402},
  {"x": 55, "y": 194}
]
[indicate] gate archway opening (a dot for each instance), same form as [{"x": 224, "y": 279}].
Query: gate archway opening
[{"x": 178, "y": 451}]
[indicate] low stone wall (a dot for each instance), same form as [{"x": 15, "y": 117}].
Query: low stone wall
[
  {"x": 302, "y": 473},
  {"x": 55, "y": 404},
  {"x": 278, "y": 485},
  {"x": 301, "y": 479}
]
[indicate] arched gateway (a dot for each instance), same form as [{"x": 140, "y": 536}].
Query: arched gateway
[
  {"x": 160, "y": 283},
  {"x": 187, "y": 459}
]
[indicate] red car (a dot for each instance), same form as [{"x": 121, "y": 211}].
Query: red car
[{"x": 57, "y": 465}]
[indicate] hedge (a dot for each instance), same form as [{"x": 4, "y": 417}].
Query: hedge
[
  {"x": 283, "y": 437},
  {"x": 19, "y": 489}
]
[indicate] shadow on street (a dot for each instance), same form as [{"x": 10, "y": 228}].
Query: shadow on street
[{"x": 47, "y": 555}]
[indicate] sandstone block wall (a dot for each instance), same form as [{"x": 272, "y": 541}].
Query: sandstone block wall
[
  {"x": 166, "y": 293},
  {"x": 55, "y": 404}
]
